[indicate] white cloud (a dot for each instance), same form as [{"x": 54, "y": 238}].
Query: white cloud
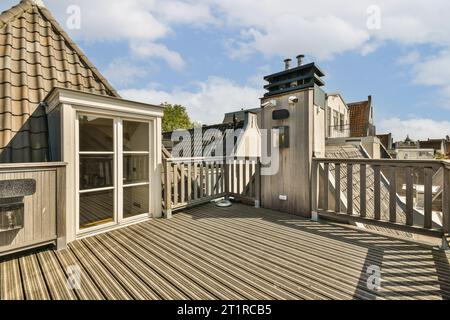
[
  {"x": 415, "y": 128},
  {"x": 434, "y": 70},
  {"x": 122, "y": 72},
  {"x": 142, "y": 23},
  {"x": 156, "y": 50},
  {"x": 324, "y": 28},
  {"x": 410, "y": 58},
  {"x": 321, "y": 28},
  {"x": 207, "y": 103}
]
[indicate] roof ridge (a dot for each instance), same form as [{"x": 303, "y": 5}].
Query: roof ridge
[
  {"x": 18, "y": 10},
  {"x": 357, "y": 102},
  {"x": 14, "y": 12},
  {"x": 47, "y": 15}
]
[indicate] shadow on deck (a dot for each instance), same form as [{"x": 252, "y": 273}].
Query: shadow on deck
[{"x": 233, "y": 253}]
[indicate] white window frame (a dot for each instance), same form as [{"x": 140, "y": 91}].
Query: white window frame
[{"x": 118, "y": 219}]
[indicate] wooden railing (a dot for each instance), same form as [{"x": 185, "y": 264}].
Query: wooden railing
[
  {"x": 383, "y": 192},
  {"x": 192, "y": 181}
]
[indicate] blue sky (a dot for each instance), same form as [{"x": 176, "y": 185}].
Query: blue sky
[{"x": 211, "y": 56}]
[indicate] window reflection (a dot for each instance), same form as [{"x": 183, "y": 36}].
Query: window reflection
[
  {"x": 135, "y": 201},
  {"x": 135, "y": 136},
  {"x": 96, "y": 171},
  {"x": 135, "y": 169},
  {"x": 96, "y": 134}
]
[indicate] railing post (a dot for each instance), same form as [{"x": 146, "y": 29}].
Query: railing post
[
  {"x": 363, "y": 190},
  {"x": 61, "y": 242},
  {"x": 428, "y": 198},
  {"x": 446, "y": 207},
  {"x": 226, "y": 177},
  {"x": 258, "y": 183},
  {"x": 167, "y": 190},
  {"x": 326, "y": 185},
  {"x": 409, "y": 171},
  {"x": 350, "y": 189},
  {"x": 393, "y": 194},
  {"x": 337, "y": 187},
  {"x": 315, "y": 190},
  {"x": 377, "y": 192}
]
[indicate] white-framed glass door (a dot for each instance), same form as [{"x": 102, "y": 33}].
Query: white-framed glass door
[
  {"x": 135, "y": 182},
  {"x": 113, "y": 165}
]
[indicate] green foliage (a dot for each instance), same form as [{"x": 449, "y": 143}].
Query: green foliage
[{"x": 175, "y": 117}]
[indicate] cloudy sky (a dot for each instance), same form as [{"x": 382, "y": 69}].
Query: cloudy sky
[{"x": 211, "y": 56}]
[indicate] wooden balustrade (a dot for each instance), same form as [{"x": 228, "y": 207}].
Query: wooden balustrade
[
  {"x": 194, "y": 181},
  {"x": 372, "y": 195}
]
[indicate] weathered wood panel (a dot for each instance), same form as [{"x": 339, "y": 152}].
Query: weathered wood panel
[{"x": 44, "y": 211}]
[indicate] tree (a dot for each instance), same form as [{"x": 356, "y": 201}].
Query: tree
[{"x": 175, "y": 117}]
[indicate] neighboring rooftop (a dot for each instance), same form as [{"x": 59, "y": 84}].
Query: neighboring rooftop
[
  {"x": 239, "y": 115},
  {"x": 291, "y": 79},
  {"x": 361, "y": 122},
  {"x": 36, "y": 55}
]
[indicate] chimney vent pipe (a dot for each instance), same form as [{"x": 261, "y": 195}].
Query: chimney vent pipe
[
  {"x": 300, "y": 59},
  {"x": 287, "y": 64}
]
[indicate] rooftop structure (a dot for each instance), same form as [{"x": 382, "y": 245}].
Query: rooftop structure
[
  {"x": 291, "y": 79},
  {"x": 37, "y": 55},
  {"x": 361, "y": 118}
]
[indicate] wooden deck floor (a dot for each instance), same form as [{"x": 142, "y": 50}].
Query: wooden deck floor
[{"x": 233, "y": 253}]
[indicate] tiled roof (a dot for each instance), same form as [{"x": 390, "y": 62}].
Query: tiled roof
[
  {"x": 359, "y": 118},
  {"x": 36, "y": 55},
  {"x": 385, "y": 139}
]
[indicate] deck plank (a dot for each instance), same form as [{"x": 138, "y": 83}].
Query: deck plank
[
  {"x": 174, "y": 272},
  {"x": 111, "y": 288},
  {"x": 143, "y": 269},
  {"x": 10, "y": 281},
  {"x": 225, "y": 278},
  {"x": 191, "y": 269},
  {"x": 33, "y": 282},
  {"x": 88, "y": 290},
  {"x": 266, "y": 279},
  {"x": 132, "y": 283},
  {"x": 329, "y": 272},
  {"x": 55, "y": 277},
  {"x": 230, "y": 253}
]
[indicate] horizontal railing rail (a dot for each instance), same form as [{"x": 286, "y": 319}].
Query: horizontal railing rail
[
  {"x": 383, "y": 192},
  {"x": 193, "y": 181}
]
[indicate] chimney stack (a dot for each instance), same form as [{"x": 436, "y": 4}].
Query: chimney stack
[
  {"x": 300, "y": 59},
  {"x": 287, "y": 64}
]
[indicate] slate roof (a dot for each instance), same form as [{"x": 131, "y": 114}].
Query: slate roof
[{"x": 36, "y": 55}]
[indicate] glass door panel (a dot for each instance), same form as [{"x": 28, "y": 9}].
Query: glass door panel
[
  {"x": 135, "y": 201},
  {"x": 96, "y": 171},
  {"x": 135, "y": 174},
  {"x": 96, "y": 134},
  {"x": 113, "y": 172},
  {"x": 96, "y": 208}
]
